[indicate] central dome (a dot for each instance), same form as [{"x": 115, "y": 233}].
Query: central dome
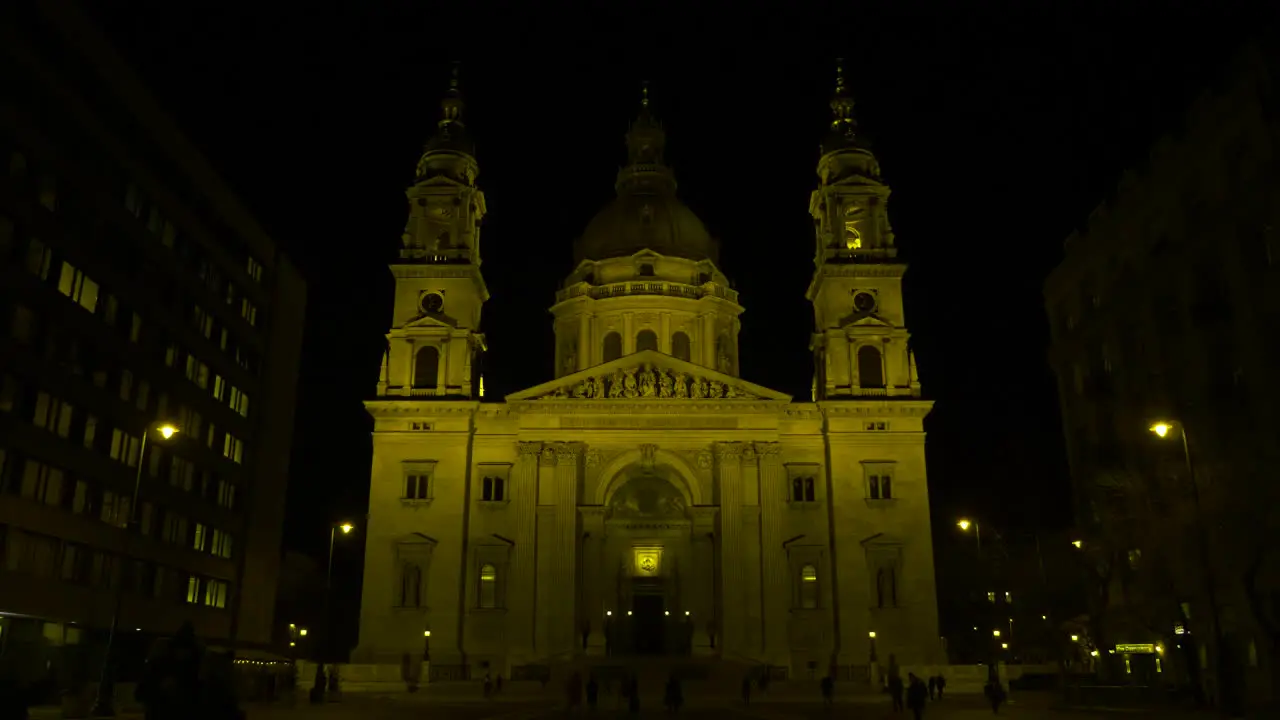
[
  {"x": 638, "y": 220},
  {"x": 646, "y": 215}
]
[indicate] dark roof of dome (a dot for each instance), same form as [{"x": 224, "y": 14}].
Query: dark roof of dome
[
  {"x": 636, "y": 221},
  {"x": 646, "y": 215}
]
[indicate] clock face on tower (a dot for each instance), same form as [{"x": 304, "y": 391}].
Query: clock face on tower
[{"x": 864, "y": 302}]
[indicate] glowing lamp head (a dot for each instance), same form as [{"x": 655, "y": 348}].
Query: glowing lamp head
[
  {"x": 302, "y": 632},
  {"x": 167, "y": 431},
  {"x": 608, "y": 613},
  {"x": 964, "y": 525},
  {"x": 1075, "y": 638},
  {"x": 872, "y": 634},
  {"x": 995, "y": 633},
  {"x": 1161, "y": 429},
  {"x": 1078, "y": 543},
  {"x": 1004, "y": 646},
  {"x": 346, "y": 528},
  {"x": 426, "y": 633}
]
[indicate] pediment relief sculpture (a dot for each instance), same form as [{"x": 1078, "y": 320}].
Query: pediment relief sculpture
[
  {"x": 648, "y": 381},
  {"x": 647, "y": 496}
]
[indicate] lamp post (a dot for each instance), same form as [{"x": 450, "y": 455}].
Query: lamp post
[
  {"x": 317, "y": 690},
  {"x": 1162, "y": 429},
  {"x": 104, "y": 703}
]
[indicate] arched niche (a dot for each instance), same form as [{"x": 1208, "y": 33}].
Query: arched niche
[{"x": 664, "y": 464}]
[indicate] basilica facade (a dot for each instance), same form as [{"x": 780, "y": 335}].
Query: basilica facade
[{"x": 648, "y": 499}]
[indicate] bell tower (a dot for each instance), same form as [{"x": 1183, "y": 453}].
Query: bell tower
[
  {"x": 860, "y": 339},
  {"x": 435, "y": 346}
]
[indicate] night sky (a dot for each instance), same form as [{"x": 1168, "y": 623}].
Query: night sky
[{"x": 997, "y": 130}]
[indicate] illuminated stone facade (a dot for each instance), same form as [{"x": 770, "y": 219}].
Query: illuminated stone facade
[{"x": 648, "y": 499}]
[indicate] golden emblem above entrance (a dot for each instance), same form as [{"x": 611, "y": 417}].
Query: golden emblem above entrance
[{"x": 648, "y": 561}]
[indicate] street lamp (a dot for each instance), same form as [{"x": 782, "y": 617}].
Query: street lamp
[
  {"x": 1162, "y": 429},
  {"x": 317, "y": 690},
  {"x": 104, "y": 703},
  {"x": 964, "y": 526}
]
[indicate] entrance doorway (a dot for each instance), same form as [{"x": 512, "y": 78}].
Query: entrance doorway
[{"x": 648, "y": 624}]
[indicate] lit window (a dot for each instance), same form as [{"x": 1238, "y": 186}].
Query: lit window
[
  {"x": 232, "y": 448},
  {"x": 808, "y": 587},
  {"x": 175, "y": 528},
  {"x": 219, "y": 386},
  {"x": 221, "y": 544},
  {"x": 42, "y": 483},
  {"x": 124, "y": 447},
  {"x": 199, "y": 538},
  {"x": 135, "y": 328},
  {"x": 90, "y": 430},
  {"x": 488, "y": 586},
  {"x": 215, "y": 593},
  {"x": 115, "y": 509},
  {"x": 239, "y": 401},
  {"x": 203, "y": 321},
  {"x": 248, "y": 311},
  {"x": 52, "y": 414},
  {"x": 226, "y": 494},
  {"x": 255, "y": 270},
  {"x": 76, "y": 285}
]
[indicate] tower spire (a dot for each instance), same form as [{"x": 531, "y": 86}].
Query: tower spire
[
  {"x": 843, "y": 123},
  {"x": 449, "y": 151},
  {"x": 645, "y": 144}
]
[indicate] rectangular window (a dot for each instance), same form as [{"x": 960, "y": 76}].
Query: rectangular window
[
  {"x": 39, "y": 259},
  {"x": 39, "y": 556},
  {"x": 879, "y": 480},
  {"x": 215, "y": 593},
  {"x": 143, "y": 395},
  {"x": 226, "y": 494},
  {"x": 197, "y": 372},
  {"x": 145, "y": 512},
  {"x": 239, "y": 401},
  {"x": 126, "y": 385},
  {"x": 52, "y": 414},
  {"x": 200, "y": 537},
  {"x": 90, "y": 431},
  {"x": 804, "y": 490},
  {"x": 219, "y": 386},
  {"x": 73, "y": 557},
  {"x": 80, "y": 498},
  {"x": 110, "y": 309},
  {"x": 417, "y": 486},
  {"x": 255, "y": 270},
  {"x": 182, "y": 473},
  {"x": 202, "y": 321},
  {"x": 41, "y": 483},
  {"x": 135, "y": 328},
  {"x": 232, "y": 448},
  {"x": 124, "y": 447},
  {"x": 23, "y": 326},
  {"x": 221, "y": 544},
  {"x": 171, "y": 355},
  {"x": 493, "y": 489},
  {"x": 76, "y": 285},
  {"x": 248, "y": 311},
  {"x": 175, "y": 528},
  {"x": 193, "y": 589},
  {"x": 115, "y": 509}
]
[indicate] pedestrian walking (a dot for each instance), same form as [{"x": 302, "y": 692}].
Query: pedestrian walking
[
  {"x": 916, "y": 695},
  {"x": 933, "y": 687},
  {"x": 673, "y": 697},
  {"x": 828, "y": 689},
  {"x": 593, "y": 693},
  {"x": 896, "y": 691},
  {"x": 746, "y": 688},
  {"x": 942, "y": 684},
  {"x": 995, "y": 695}
]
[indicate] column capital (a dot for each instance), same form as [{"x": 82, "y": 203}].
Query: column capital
[
  {"x": 568, "y": 452},
  {"x": 547, "y": 458},
  {"x": 526, "y": 449},
  {"x": 768, "y": 450},
  {"x": 728, "y": 450}
]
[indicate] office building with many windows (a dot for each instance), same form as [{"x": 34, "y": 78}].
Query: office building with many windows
[{"x": 135, "y": 290}]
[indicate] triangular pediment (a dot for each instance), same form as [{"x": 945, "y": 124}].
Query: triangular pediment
[
  {"x": 883, "y": 540},
  {"x": 432, "y": 320},
  {"x": 858, "y": 320},
  {"x": 648, "y": 375}
]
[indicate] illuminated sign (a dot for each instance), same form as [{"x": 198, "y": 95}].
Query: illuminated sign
[{"x": 1144, "y": 648}]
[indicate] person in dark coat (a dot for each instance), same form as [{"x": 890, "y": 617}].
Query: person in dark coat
[
  {"x": 746, "y": 688},
  {"x": 995, "y": 695},
  {"x": 593, "y": 693},
  {"x": 674, "y": 695},
  {"x": 933, "y": 687},
  {"x": 828, "y": 689},
  {"x": 633, "y": 695},
  {"x": 917, "y": 693},
  {"x": 896, "y": 691},
  {"x": 942, "y": 684}
]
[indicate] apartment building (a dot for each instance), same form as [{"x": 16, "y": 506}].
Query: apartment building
[
  {"x": 135, "y": 290},
  {"x": 1166, "y": 308}
]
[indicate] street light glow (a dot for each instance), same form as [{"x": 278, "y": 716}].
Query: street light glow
[
  {"x": 964, "y": 524},
  {"x": 1161, "y": 429},
  {"x": 346, "y": 528},
  {"x": 1004, "y": 646},
  {"x": 1078, "y": 543},
  {"x": 1075, "y": 638},
  {"x": 303, "y": 632},
  {"x": 872, "y": 634},
  {"x": 167, "y": 431},
  {"x": 995, "y": 633}
]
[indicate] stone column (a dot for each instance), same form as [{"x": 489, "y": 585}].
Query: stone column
[
  {"x": 664, "y": 341},
  {"x": 702, "y": 583},
  {"x": 442, "y": 371},
  {"x": 628, "y": 334},
  {"x": 546, "y": 598},
  {"x": 709, "y": 341},
  {"x": 410, "y": 361},
  {"x": 585, "y": 354},
  {"x": 593, "y": 576},
  {"x": 729, "y": 464},
  {"x": 524, "y": 502},
  {"x": 777, "y": 589},
  {"x": 566, "y": 548}
]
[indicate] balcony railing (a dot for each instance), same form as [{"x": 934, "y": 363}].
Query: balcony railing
[{"x": 647, "y": 287}]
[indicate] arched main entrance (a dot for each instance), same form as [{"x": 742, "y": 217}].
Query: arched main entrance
[{"x": 647, "y": 531}]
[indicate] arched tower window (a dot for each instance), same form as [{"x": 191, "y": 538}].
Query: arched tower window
[
  {"x": 646, "y": 340},
  {"x": 488, "y": 586},
  {"x": 426, "y": 368},
  {"x": 808, "y": 587},
  {"x": 680, "y": 346},
  {"x": 870, "y": 369},
  {"x": 612, "y": 347}
]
